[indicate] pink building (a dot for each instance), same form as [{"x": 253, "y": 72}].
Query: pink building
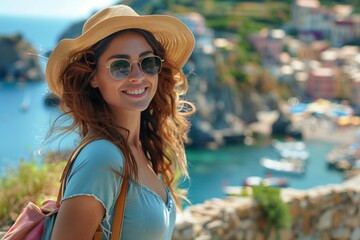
[
  {"x": 355, "y": 86},
  {"x": 269, "y": 44},
  {"x": 321, "y": 83}
]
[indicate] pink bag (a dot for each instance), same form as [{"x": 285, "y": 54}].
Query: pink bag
[{"x": 30, "y": 223}]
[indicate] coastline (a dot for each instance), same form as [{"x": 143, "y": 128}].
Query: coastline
[{"x": 323, "y": 129}]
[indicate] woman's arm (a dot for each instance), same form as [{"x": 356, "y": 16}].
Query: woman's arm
[{"x": 78, "y": 218}]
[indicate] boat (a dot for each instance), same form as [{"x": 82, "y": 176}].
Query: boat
[
  {"x": 343, "y": 157},
  {"x": 25, "y": 104},
  {"x": 289, "y": 145},
  {"x": 294, "y": 154},
  {"x": 235, "y": 190},
  {"x": 266, "y": 181},
  {"x": 252, "y": 181},
  {"x": 289, "y": 166}
]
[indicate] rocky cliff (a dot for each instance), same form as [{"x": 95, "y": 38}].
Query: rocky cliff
[
  {"x": 224, "y": 111},
  {"x": 18, "y": 60}
]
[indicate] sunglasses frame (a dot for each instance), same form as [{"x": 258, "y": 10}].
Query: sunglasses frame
[{"x": 139, "y": 61}]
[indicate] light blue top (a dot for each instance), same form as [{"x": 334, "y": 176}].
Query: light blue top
[{"x": 146, "y": 216}]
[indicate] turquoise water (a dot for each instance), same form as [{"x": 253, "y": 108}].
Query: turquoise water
[
  {"x": 211, "y": 170},
  {"x": 22, "y": 133}
]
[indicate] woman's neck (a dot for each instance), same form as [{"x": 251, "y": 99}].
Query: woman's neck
[{"x": 131, "y": 122}]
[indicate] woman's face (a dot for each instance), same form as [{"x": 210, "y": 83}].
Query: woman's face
[{"x": 135, "y": 91}]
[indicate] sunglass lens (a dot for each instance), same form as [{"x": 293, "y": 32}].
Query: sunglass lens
[
  {"x": 120, "y": 69},
  {"x": 151, "y": 65}
]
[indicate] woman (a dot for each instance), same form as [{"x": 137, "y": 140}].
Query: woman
[{"x": 121, "y": 83}]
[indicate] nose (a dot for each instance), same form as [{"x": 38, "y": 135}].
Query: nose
[{"x": 136, "y": 73}]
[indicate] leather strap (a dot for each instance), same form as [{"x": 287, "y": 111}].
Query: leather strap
[
  {"x": 98, "y": 233},
  {"x": 120, "y": 202},
  {"x": 120, "y": 208},
  {"x": 68, "y": 166}
]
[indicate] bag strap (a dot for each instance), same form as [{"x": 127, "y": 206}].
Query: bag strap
[
  {"x": 68, "y": 166},
  {"x": 120, "y": 202},
  {"x": 120, "y": 208}
]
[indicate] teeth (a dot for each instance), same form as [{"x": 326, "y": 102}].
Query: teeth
[{"x": 136, "y": 92}]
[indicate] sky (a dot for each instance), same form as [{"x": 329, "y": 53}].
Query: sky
[{"x": 74, "y": 9}]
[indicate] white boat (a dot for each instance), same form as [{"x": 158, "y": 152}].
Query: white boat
[
  {"x": 255, "y": 181},
  {"x": 266, "y": 181},
  {"x": 25, "y": 104},
  {"x": 283, "y": 165},
  {"x": 290, "y": 145},
  {"x": 294, "y": 154},
  {"x": 234, "y": 190}
]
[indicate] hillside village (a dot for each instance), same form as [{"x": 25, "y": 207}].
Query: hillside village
[
  {"x": 319, "y": 62},
  {"x": 312, "y": 55}
]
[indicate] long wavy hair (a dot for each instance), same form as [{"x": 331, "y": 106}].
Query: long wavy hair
[{"x": 164, "y": 124}]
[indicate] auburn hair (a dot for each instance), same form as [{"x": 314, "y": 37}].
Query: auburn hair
[{"x": 164, "y": 124}]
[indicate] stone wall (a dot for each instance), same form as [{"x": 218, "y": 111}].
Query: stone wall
[{"x": 326, "y": 212}]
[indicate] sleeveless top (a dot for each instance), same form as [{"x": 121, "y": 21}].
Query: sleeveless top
[{"x": 95, "y": 173}]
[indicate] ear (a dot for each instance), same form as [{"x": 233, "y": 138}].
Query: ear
[{"x": 94, "y": 83}]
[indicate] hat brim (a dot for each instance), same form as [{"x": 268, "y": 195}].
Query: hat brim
[{"x": 175, "y": 37}]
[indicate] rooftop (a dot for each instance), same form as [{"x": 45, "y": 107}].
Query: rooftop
[
  {"x": 323, "y": 72},
  {"x": 308, "y": 3}
]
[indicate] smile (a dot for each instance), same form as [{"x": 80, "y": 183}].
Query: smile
[{"x": 136, "y": 91}]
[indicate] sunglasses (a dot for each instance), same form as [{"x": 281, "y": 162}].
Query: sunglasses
[{"x": 120, "y": 68}]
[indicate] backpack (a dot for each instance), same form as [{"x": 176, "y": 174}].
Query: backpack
[{"x": 30, "y": 223}]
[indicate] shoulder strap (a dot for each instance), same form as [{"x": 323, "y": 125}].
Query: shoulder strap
[
  {"x": 120, "y": 202},
  {"x": 68, "y": 166},
  {"x": 120, "y": 208}
]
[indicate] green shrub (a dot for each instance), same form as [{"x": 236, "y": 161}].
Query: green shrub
[
  {"x": 274, "y": 210},
  {"x": 29, "y": 181}
]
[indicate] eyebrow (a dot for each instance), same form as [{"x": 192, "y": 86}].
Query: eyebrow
[{"x": 128, "y": 57}]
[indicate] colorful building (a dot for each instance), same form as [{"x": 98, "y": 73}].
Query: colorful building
[{"x": 321, "y": 83}]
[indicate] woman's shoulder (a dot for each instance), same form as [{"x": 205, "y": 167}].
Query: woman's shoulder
[
  {"x": 101, "y": 151},
  {"x": 102, "y": 144}
]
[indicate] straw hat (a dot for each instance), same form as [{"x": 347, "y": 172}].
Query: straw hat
[{"x": 175, "y": 37}]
